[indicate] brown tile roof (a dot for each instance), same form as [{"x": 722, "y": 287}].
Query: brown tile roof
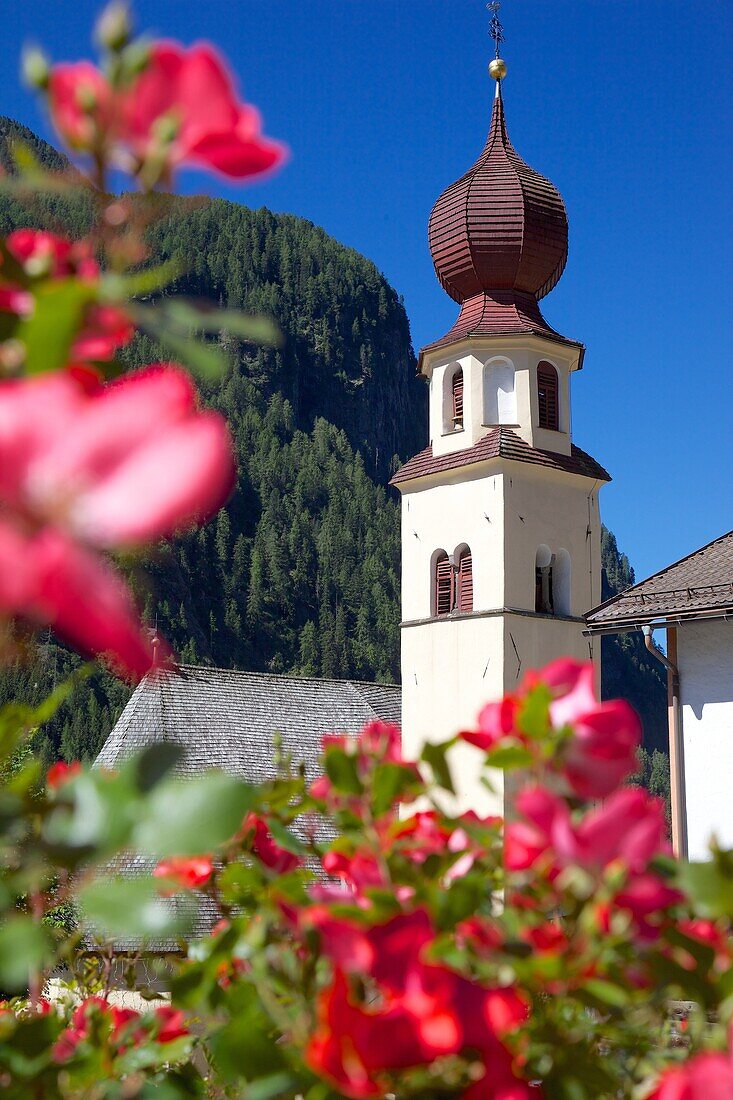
[
  {"x": 698, "y": 584},
  {"x": 499, "y": 443},
  {"x": 499, "y": 314}
]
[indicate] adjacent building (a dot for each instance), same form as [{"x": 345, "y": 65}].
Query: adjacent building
[{"x": 692, "y": 600}]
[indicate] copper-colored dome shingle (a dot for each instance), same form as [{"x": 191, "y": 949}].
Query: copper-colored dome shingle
[{"x": 499, "y": 239}]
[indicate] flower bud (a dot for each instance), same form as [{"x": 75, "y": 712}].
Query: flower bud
[
  {"x": 113, "y": 26},
  {"x": 35, "y": 68}
]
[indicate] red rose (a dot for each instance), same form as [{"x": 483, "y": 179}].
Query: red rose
[{"x": 186, "y": 871}]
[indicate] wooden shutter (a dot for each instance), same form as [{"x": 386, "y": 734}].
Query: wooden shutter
[
  {"x": 547, "y": 393},
  {"x": 465, "y": 581},
  {"x": 458, "y": 399},
  {"x": 444, "y": 590}
]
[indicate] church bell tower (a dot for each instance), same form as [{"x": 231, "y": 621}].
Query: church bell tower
[{"x": 500, "y": 519}]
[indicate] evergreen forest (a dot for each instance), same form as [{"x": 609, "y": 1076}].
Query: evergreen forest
[{"x": 299, "y": 573}]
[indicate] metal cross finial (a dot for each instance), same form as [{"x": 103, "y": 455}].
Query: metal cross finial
[{"x": 496, "y": 31}]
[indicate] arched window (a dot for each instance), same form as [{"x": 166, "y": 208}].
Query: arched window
[
  {"x": 458, "y": 400},
  {"x": 444, "y": 588},
  {"x": 547, "y": 396},
  {"x": 544, "y": 596},
  {"x": 464, "y": 598},
  {"x": 500, "y": 398},
  {"x": 561, "y": 583}
]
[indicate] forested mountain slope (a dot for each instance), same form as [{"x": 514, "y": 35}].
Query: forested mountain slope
[{"x": 300, "y": 571}]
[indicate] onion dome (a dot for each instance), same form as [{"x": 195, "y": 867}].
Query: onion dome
[{"x": 499, "y": 241}]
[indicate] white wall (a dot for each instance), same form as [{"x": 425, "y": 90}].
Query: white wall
[
  {"x": 462, "y": 507},
  {"x": 705, "y": 661},
  {"x": 453, "y": 665},
  {"x": 481, "y": 410},
  {"x": 450, "y": 669}
]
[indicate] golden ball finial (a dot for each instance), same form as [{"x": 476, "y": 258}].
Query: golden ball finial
[{"x": 497, "y": 68}]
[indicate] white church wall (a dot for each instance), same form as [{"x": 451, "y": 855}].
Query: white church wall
[
  {"x": 486, "y": 405},
  {"x": 451, "y": 667},
  {"x": 531, "y": 642},
  {"x": 463, "y": 508},
  {"x": 560, "y": 511},
  {"x": 705, "y": 661}
]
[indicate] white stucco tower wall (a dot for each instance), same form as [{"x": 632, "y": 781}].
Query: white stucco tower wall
[{"x": 505, "y": 505}]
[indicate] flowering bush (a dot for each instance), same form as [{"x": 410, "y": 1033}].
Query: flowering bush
[{"x": 419, "y": 952}]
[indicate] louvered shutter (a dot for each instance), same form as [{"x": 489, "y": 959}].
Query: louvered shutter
[
  {"x": 443, "y": 586},
  {"x": 465, "y": 581},
  {"x": 458, "y": 399},
  {"x": 547, "y": 394}
]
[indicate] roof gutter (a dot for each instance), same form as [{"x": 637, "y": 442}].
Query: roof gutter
[
  {"x": 676, "y": 743},
  {"x": 658, "y": 619}
]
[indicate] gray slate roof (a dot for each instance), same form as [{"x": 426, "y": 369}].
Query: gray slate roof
[
  {"x": 698, "y": 586},
  {"x": 227, "y": 719}
]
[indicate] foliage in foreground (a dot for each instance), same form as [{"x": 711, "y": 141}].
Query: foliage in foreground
[{"x": 362, "y": 937}]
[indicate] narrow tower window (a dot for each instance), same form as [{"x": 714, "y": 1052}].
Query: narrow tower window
[
  {"x": 547, "y": 396},
  {"x": 464, "y": 601},
  {"x": 458, "y": 400},
  {"x": 544, "y": 597},
  {"x": 444, "y": 585}
]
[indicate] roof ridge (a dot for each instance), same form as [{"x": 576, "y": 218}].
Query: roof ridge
[
  {"x": 660, "y": 572},
  {"x": 289, "y": 677}
]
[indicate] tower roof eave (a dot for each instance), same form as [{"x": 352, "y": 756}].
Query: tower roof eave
[
  {"x": 499, "y": 443},
  {"x": 458, "y": 339}
]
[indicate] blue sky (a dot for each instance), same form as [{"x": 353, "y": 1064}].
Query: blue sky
[{"x": 625, "y": 106}]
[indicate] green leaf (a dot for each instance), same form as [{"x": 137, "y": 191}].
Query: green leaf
[
  {"x": 342, "y": 771},
  {"x": 435, "y": 756},
  {"x": 533, "y": 718},
  {"x": 24, "y": 158},
  {"x": 202, "y": 317},
  {"x": 194, "y": 816},
  {"x": 391, "y": 783},
  {"x": 116, "y": 908},
  {"x": 50, "y": 331},
  {"x": 710, "y": 884},
  {"x": 154, "y": 763},
  {"x": 606, "y": 992},
  {"x": 100, "y": 818},
  {"x": 509, "y": 757},
  {"x": 116, "y": 288},
  {"x": 285, "y": 838},
  {"x": 247, "y": 1047},
  {"x": 24, "y": 948}
]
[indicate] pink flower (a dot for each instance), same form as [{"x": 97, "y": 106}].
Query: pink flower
[
  {"x": 116, "y": 1018},
  {"x": 193, "y": 91},
  {"x": 377, "y": 743},
  {"x": 182, "y": 109},
  {"x": 706, "y": 1076},
  {"x": 628, "y": 830},
  {"x": 44, "y": 255},
  {"x": 171, "y": 1023},
  {"x": 601, "y": 752},
  {"x": 496, "y": 721},
  {"x": 135, "y": 462},
  {"x": 48, "y": 579},
  {"x": 189, "y": 872},
  {"x": 60, "y": 773},
  {"x": 273, "y": 855},
  {"x": 119, "y": 468},
  {"x": 81, "y": 104}
]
